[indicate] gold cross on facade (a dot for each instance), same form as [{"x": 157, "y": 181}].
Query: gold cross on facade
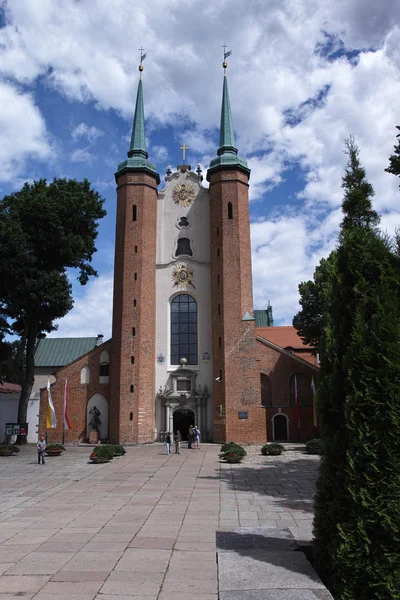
[{"x": 183, "y": 148}]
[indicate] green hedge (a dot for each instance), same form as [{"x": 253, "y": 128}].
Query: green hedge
[
  {"x": 273, "y": 449},
  {"x": 314, "y": 446}
]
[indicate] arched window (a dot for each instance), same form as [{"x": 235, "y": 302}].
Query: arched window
[
  {"x": 85, "y": 375},
  {"x": 302, "y": 382},
  {"x": 266, "y": 397},
  {"x": 230, "y": 210},
  {"x": 183, "y": 247},
  {"x": 184, "y": 329}
]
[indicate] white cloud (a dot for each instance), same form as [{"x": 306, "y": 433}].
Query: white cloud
[
  {"x": 293, "y": 100},
  {"x": 23, "y": 133},
  {"x": 92, "y": 310},
  {"x": 84, "y": 131},
  {"x": 83, "y": 155},
  {"x": 159, "y": 153}
]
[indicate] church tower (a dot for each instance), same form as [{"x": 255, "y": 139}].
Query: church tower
[
  {"x": 134, "y": 304},
  {"x": 236, "y": 390}
]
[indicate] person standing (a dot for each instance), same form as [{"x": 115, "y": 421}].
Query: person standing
[
  {"x": 178, "y": 439},
  {"x": 41, "y": 447},
  {"x": 168, "y": 442},
  {"x": 196, "y": 436},
  {"x": 190, "y": 436}
]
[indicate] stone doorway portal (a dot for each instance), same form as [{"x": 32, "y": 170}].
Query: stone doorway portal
[{"x": 183, "y": 418}]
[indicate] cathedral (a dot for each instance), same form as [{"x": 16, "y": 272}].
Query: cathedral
[{"x": 185, "y": 346}]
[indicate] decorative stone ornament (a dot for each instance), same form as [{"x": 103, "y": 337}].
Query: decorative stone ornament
[
  {"x": 161, "y": 358},
  {"x": 182, "y": 276},
  {"x": 183, "y": 194}
]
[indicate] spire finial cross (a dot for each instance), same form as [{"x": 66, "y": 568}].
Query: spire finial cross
[
  {"x": 183, "y": 148},
  {"x": 224, "y": 46}
]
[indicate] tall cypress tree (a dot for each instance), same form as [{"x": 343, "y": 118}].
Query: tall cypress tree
[{"x": 357, "y": 518}]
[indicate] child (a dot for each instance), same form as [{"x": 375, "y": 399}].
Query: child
[{"x": 41, "y": 446}]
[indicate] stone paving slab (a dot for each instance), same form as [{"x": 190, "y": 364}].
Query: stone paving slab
[
  {"x": 144, "y": 526},
  {"x": 276, "y": 595},
  {"x": 260, "y": 570}
]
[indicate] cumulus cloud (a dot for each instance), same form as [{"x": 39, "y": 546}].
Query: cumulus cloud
[
  {"x": 23, "y": 133},
  {"x": 92, "y": 310},
  {"x": 303, "y": 76}
]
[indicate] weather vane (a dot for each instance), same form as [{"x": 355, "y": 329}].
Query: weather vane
[
  {"x": 143, "y": 55},
  {"x": 226, "y": 54}
]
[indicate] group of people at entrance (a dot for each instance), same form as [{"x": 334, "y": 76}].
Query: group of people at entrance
[{"x": 193, "y": 439}]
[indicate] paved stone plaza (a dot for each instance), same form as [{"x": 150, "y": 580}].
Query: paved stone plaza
[{"x": 143, "y": 525}]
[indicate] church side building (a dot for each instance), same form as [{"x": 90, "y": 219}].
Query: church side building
[{"x": 184, "y": 347}]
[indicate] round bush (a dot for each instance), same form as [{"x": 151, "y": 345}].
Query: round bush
[
  {"x": 314, "y": 446},
  {"x": 103, "y": 452},
  {"x": 273, "y": 449},
  {"x": 232, "y": 446},
  {"x": 55, "y": 447}
]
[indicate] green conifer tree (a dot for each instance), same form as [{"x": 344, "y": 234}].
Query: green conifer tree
[{"x": 357, "y": 518}]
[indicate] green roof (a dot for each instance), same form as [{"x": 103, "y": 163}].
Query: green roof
[{"x": 58, "y": 352}]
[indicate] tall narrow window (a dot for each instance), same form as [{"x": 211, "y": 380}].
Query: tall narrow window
[
  {"x": 135, "y": 276},
  {"x": 134, "y": 212},
  {"x": 230, "y": 210},
  {"x": 135, "y": 249},
  {"x": 183, "y": 247},
  {"x": 219, "y": 309},
  {"x": 133, "y": 331},
  {"x": 266, "y": 397},
  {"x": 184, "y": 329},
  {"x": 217, "y": 251},
  {"x": 134, "y": 304},
  {"x": 218, "y": 279},
  {"x": 132, "y": 359}
]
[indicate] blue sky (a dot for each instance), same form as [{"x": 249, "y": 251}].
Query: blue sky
[{"x": 303, "y": 76}]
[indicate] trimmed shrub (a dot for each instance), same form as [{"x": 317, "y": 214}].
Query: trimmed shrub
[
  {"x": 314, "y": 446},
  {"x": 10, "y": 447},
  {"x": 103, "y": 452},
  {"x": 117, "y": 449},
  {"x": 232, "y": 446},
  {"x": 273, "y": 449},
  {"x": 55, "y": 447}
]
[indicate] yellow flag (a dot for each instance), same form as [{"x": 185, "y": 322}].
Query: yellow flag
[{"x": 51, "y": 419}]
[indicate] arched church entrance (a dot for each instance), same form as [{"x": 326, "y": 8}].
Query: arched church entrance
[
  {"x": 280, "y": 424},
  {"x": 183, "y": 418}
]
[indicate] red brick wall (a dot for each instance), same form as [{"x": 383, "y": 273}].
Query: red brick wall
[
  {"x": 280, "y": 368},
  {"x": 78, "y": 396},
  {"x": 231, "y": 299},
  {"x": 137, "y": 188}
]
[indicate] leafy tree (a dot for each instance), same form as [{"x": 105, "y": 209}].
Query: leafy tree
[
  {"x": 394, "y": 159},
  {"x": 357, "y": 509},
  {"x": 313, "y": 295},
  {"x": 45, "y": 228}
]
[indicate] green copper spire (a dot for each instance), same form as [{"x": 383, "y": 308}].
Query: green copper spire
[
  {"x": 138, "y": 139},
  {"x": 226, "y": 134},
  {"x": 138, "y": 155},
  {"x": 227, "y": 152}
]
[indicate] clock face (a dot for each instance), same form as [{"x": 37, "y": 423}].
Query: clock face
[{"x": 183, "y": 194}]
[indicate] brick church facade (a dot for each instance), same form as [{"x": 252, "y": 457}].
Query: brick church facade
[{"x": 185, "y": 348}]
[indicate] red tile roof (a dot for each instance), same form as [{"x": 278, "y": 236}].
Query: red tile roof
[
  {"x": 9, "y": 388},
  {"x": 284, "y": 336}
]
